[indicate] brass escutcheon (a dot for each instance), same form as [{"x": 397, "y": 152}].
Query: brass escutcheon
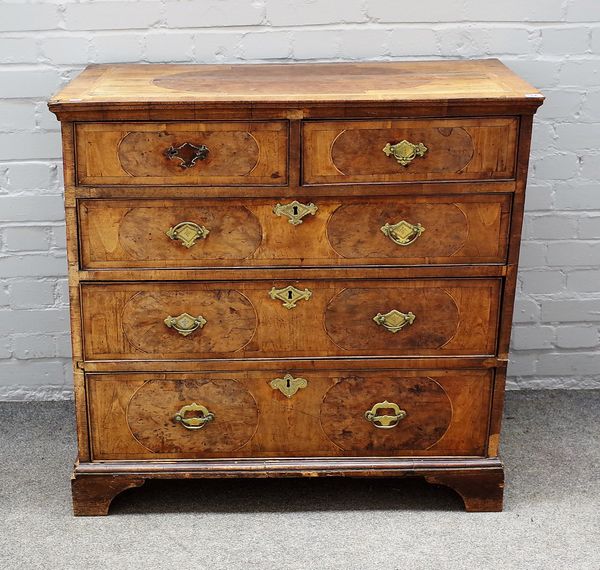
[
  {"x": 187, "y": 154},
  {"x": 194, "y": 422},
  {"x": 394, "y": 320},
  {"x": 288, "y": 385},
  {"x": 405, "y": 152},
  {"x": 185, "y": 324},
  {"x": 187, "y": 233},
  {"x": 385, "y": 421},
  {"x": 290, "y": 295},
  {"x": 295, "y": 211},
  {"x": 402, "y": 233}
]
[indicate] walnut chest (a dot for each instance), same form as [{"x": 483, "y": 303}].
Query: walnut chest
[{"x": 292, "y": 270}]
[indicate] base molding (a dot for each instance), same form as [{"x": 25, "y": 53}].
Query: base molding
[{"x": 479, "y": 482}]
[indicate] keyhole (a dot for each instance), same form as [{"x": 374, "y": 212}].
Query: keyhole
[
  {"x": 295, "y": 210},
  {"x": 288, "y": 383},
  {"x": 290, "y": 295}
]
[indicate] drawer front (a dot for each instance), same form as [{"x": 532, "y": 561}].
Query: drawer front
[
  {"x": 182, "y": 154},
  {"x": 423, "y": 150},
  {"x": 267, "y": 319},
  {"x": 323, "y": 413},
  {"x": 255, "y": 232}
]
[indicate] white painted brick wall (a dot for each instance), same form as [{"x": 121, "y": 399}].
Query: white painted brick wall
[{"x": 555, "y": 44}]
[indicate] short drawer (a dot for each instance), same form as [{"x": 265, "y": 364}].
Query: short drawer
[
  {"x": 274, "y": 319},
  {"x": 182, "y": 154},
  {"x": 419, "y": 150},
  {"x": 292, "y": 413},
  {"x": 167, "y": 234}
]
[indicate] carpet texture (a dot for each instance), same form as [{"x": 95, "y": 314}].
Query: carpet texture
[{"x": 551, "y": 449}]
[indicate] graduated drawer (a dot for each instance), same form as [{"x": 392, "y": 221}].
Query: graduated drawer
[
  {"x": 409, "y": 150},
  {"x": 182, "y": 154},
  {"x": 283, "y": 319},
  {"x": 255, "y": 414},
  {"x": 210, "y": 233}
]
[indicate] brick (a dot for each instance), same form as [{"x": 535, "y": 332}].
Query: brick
[
  {"x": 590, "y": 166},
  {"x": 33, "y": 265},
  {"x": 573, "y": 253},
  {"x": 589, "y": 228},
  {"x": 567, "y": 41},
  {"x": 512, "y": 11},
  {"x": 62, "y": 292},
  {"x": 266, "y": 45},
  {"x": 542, "y": 140},
  {"x": 170, "y": 47},
  {"x": 31, "y": 176},
  {"x": 538, "y": 198},
  {"x": 532, "y": 337},
  {"x": 433, "y": 11},
  {"x": 463, "y": 41},
  {"x": 59, "y": 237},
  {"x": 40, "y": 321},
  {"x": 6, "y": 350},
  {"x": 29, "y": 294},
  {"x": 316, "y": 44},
  {"x": 542, "y": 281},
  {"x": 556, "y": 167},
  {"x": 18, "y": 50},
  {"x": 580, "y": 73},
  {"x": 571, "y": 310},
  {"x": 66, "y": 50},
  {"x": 568, "y": 196},
  {"x": 117, "y": 48},
  {"x": 526, "y": 311},
  {"x": 216, "y": 47},
  {"x": 26, "y": 238},
  {"x": 413, "y": 42},
  {"x": 569, "y": 364},
  {"x": 363, "y": 43},
  {"x": 583, "y": 11},
  {"x": 112, "y": 15},
  {"x": 521, "y": 365},
  {"x": 63, "y": 345},
  {"x": 577, "y": 337},
  {"x": 590, "y": 110},
  {"x": 20, "y": 83},
  {"x": 22, "y": 17},
  {"x": 552, "y": 227},
  {"x": 24, "y": 145},
  {"x": 44, "y": 119},
  {"x": 31, "y": 208},
  {"x": 595, "y": 43},
  {"x": 45, "y": 393},
  {"x": 213, "y": 13},
  {"x": 4, "y": 296},
  {"x": 533, "y": 254},
  {"x": 503, "y": 40},
  {"x": 560, "y": 104},
  {"x": 578, "y": 136},
  {"x": 584, "y": 281},
  {"x": 34, "y": 346},
  {"x": 540, "y": 73},
  {"x": 302, "y": 12},
  {"x": 33, "y": 372},
  {"x": 17, "y": 116}
]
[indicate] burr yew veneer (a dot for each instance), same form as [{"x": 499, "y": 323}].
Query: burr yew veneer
[{"x": 292, "y": 270}]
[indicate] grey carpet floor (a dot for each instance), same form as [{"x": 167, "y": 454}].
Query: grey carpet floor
[{"x": 551, "y": 449}]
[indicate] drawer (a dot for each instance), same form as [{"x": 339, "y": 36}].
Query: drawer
[
  {"x": 182, "y": 154},
  {"x": 323, "y": 413},
  {"x": 181, "y": 233},
  {"x": 419, "y": 150},
  {"x": 273, "y": 319}
]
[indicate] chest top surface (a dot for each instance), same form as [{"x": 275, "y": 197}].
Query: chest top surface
[{"x": 315, "y": 83}]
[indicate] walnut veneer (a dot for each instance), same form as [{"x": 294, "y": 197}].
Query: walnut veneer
[{"x": 292, "y": 270}]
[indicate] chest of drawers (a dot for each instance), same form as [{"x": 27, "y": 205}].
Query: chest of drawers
[{"x": 292, "y": 270}]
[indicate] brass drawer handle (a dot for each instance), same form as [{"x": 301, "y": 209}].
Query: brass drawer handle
[
  {"x": 403, "y": 233},
  {"x": 288, "y": 385},
  {"x": 185, "y": 324},
  {"x": 385, "y": 421},
  {"x": 394, "y": 320},
  {"x": 405, "y": 152},
  {"x": 187, "y": 154},
  {"x": 290, "y": 295},
  {"x": 194, "y": 422},
  {"x": 187, "y": 233},
  {"x": 295, "y": 211}
]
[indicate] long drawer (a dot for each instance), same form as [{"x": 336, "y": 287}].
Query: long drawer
[
  {"x": 294, "y": 413},
  {"x": 183, "y": 233},
  {"x": 182, "y": 154},
  {"x": 267, "y": 319},
  {"x": 409, "y": 150}
]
